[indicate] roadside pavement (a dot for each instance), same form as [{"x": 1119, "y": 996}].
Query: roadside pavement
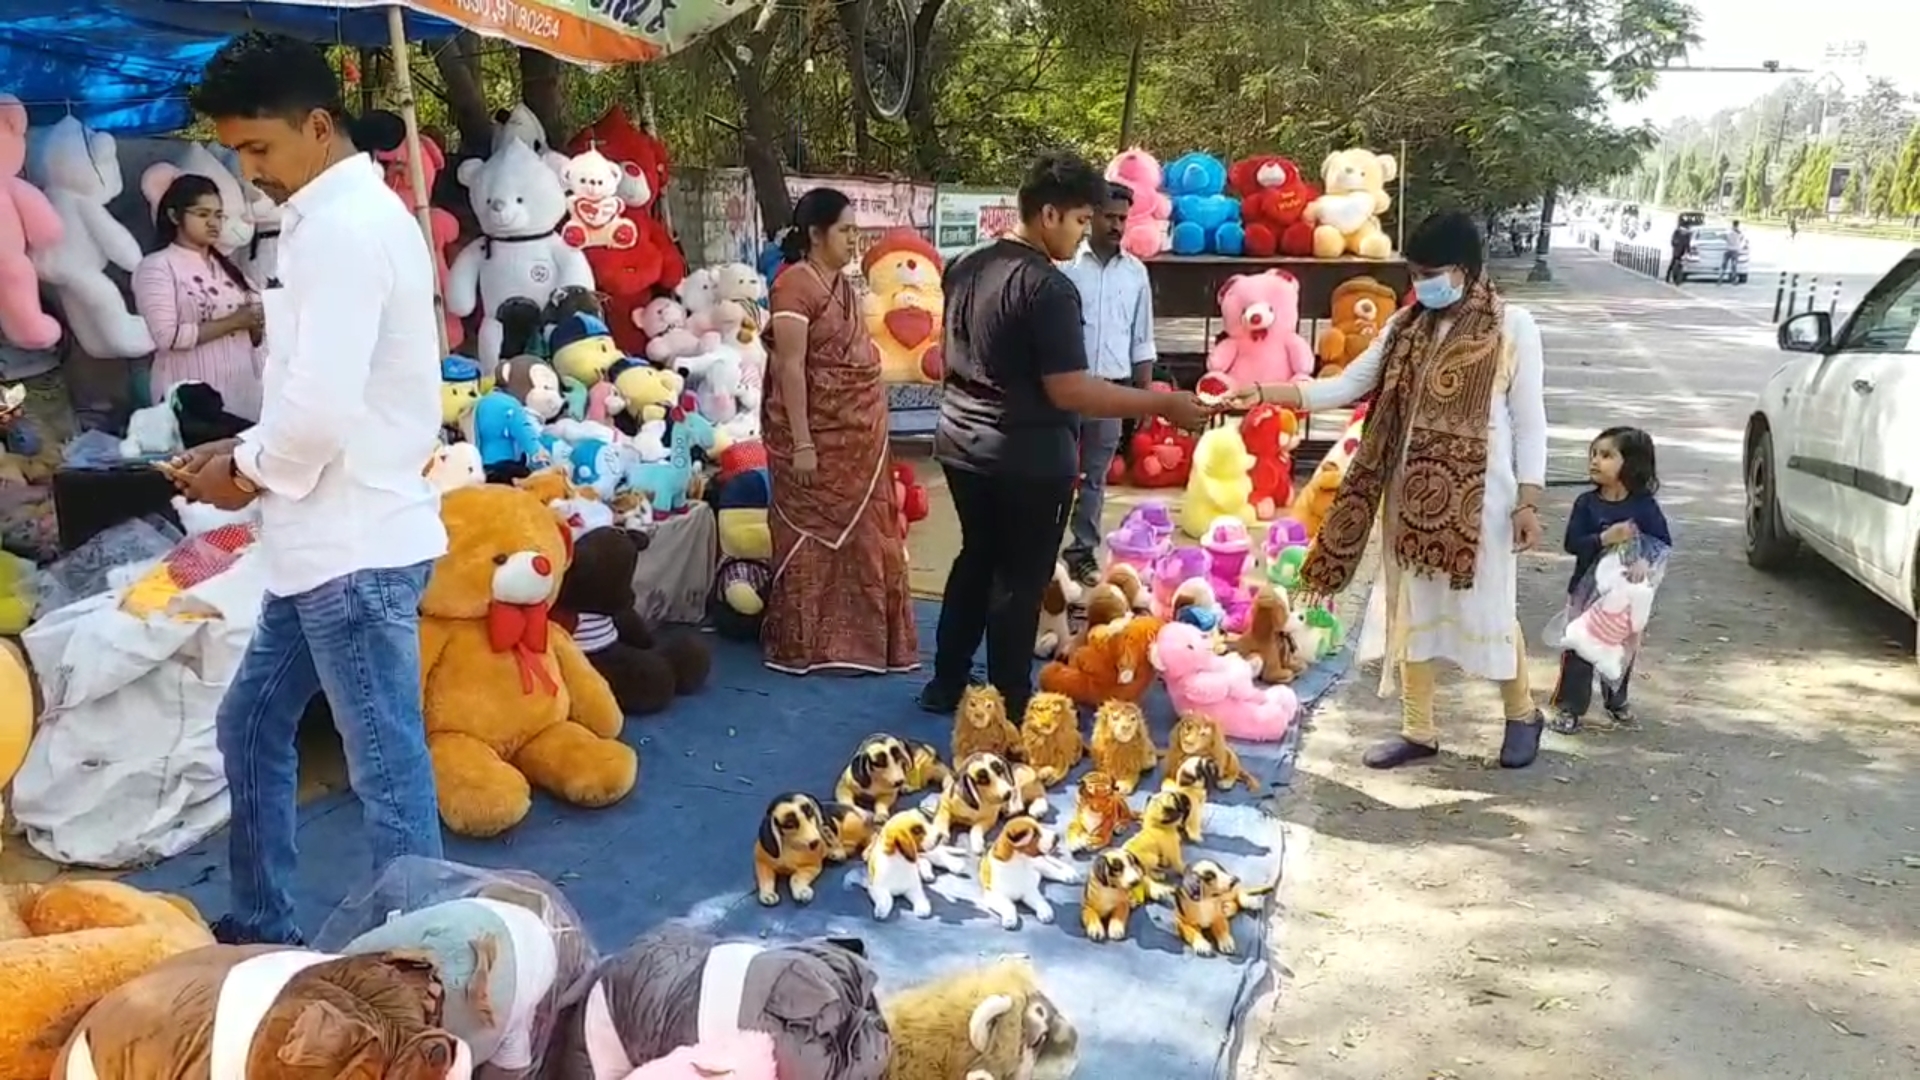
[{"x": 1729, "y": 892}]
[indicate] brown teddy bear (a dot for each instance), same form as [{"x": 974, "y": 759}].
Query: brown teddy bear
[
  {"x": 596, "y": 607},
  {"x": 511, "y": 701},
  {"x": 1361, "y": 307},
  {"x": 65, "y": 946}
]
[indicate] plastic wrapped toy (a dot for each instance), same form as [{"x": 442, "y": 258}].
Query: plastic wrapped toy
[
  {"x": 1144, "y": 535},
  {"x": 1170, "y": 571},
  {"x": 1228, "y": 547},
  {"x": 507, "y": 945},
  {"x": 1608, "y": 610}
]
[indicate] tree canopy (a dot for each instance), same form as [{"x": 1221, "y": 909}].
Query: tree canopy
[{"x": 1494, "y": 101}]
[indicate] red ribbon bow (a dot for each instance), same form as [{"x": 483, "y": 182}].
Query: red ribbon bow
[{"x": 522, "y": 630}]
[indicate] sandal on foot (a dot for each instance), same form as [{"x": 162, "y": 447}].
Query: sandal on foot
[
  {"x": 1565, "y": 723},
  {"x": 1397, "y": 752},
  {"x": 1522, "y": 741},
  {"x": 1623, "y": 718}
]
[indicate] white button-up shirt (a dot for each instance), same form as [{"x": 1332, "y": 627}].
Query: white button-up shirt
[
  {"x": 1116, "y": 306},
  {"x": 351, "y": 387}
]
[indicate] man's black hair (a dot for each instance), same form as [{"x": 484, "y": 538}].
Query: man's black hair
[
  {"x": 1448, "y": 238},
  {"x": 1119, "y": 193},
  {"x": 258, "y": 75},
  {"x": 1063, "y": 180}
]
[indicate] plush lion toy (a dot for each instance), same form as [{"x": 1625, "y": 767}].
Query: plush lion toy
[
  {"x": 65, "y": 946},
  {"x": 511, "y": 701},
  {"x": 985, "y": 1023},
  {"x": 1346, "y": 220},
  {"x": 1112, "y": 666},
  {"x": 1361, "y": 308}
]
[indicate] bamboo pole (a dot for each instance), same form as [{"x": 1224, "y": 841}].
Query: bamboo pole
[{"x": 416, "y": 171}]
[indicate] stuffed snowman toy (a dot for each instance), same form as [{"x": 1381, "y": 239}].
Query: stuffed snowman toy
[
  {"x": 520, "y": 205},
  {"x": 80, "y": 172},
  {"x": 1621, "y": 605}
]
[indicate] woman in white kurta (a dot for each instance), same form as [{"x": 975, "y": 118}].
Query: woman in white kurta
[{"x": 1458, "y": 503}]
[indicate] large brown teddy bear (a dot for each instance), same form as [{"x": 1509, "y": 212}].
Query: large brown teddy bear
[
  {"x": 596, "y": 607},
  {"x": 511, "y": 702},
  {"x": 1346, "y": 219},
  {"x": 1361, "y": 307},
  {"x": 67, "y": 945}
]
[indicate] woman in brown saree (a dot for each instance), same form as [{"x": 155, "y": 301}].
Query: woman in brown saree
[{"x": 839, "y": 600}]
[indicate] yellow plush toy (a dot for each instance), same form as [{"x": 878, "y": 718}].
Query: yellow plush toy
[
  {"x": 511, "y": 701},
  {"x": 16, "y": 720},
  {"x": 1221, "y": 484},
  {"x": 65, "y": 946},
  {"x": 1346, "y": 220},
  {"x": 649, "y": 392}
]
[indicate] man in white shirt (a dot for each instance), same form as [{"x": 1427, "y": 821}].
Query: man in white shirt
[
  {"x": 1116, "y": 304},
  {"x": 349, "y": 528},
  {"x": 1730, "y": 258}
]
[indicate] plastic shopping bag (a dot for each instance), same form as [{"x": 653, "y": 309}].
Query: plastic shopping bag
[{"x": 1606, "y": 615}]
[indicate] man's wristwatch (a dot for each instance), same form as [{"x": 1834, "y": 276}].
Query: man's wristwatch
[{"x": 240, "y": 479}]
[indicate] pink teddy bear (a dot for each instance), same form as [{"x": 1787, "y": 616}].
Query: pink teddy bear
[
  {"x": 664, "y": 322},
  {"x": 1200, "y": 680},
  {"x": 1263, "y": 342},
  {"x": 28, "y": 223},
  {"x": 1149, "y": 232}
]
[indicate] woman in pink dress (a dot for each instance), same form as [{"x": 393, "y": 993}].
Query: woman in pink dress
[{"x": 204, "y": 316}]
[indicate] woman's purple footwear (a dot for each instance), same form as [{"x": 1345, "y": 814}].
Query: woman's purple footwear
[
  {"x": 1396, "y": 752},
  {"x": 1522, "y": 742}
]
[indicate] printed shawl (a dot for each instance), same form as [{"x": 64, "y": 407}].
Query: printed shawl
[{"x": 1427, "y": 432}]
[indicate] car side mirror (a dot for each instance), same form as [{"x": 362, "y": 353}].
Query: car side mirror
[{"x": 1807, "y": 332}]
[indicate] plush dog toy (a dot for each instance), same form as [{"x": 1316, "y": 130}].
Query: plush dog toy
[
  {"x": 792, "y": 844},
  {"x": 63, "y": 946},
  {"x": 511, "y": 701},
  {"x": 678, "y": 986},
  {"x": 1114, "y": 664},
  {"x": 271, "y": 1013}
]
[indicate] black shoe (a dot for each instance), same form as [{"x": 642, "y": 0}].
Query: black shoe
[
  {"x": 1396, "y": 752},
  {"x": 228, "y": 932},
  {"x": 1522, "y": 742},
  {"x": 936, "y": 697},
  {"x": 1564, "y": 722},
  {"x": 1623, "y": 717},
  {"x": 1084, "y": 569}
]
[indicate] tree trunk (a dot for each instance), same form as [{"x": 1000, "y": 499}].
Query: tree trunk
[
  {"x": 1130, "y": 107},
  {"x": 760, "y": 140},
  {"x": 853, "y": 30},
  {"x": 541, "y": 83},
  {"x": 459, "y": 64},
  {"x": 923, "y": 126}
]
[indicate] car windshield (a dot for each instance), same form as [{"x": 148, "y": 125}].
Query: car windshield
[{"x": 1709, "y": 236}]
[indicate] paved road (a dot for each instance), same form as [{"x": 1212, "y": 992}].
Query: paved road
[
  {"x": 1727, "y": 894},
  {"x": 1814, "y": 262}
]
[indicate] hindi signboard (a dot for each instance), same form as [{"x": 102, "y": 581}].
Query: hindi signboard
[{"x": 967, "y": 217}]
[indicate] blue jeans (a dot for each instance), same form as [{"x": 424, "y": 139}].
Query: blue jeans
[
  {"x": 357, "y": 640},
  {"x": 1099, "y": 441}
]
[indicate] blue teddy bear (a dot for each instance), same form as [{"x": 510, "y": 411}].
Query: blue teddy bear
[{"x": 1205, "y": 219}]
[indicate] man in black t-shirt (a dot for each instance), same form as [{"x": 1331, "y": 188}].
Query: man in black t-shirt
[
  {"x": 1016, "y": 387},
  {"x": 1680, "y": 242}
]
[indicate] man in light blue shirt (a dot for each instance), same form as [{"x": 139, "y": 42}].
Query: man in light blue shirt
[{"x": 1116, "y": 305}]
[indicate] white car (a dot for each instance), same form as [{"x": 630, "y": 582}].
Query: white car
[{"x": 1833, "y": 450}]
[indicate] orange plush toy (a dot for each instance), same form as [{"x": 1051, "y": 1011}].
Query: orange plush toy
[
  {"x": 627, "y": 278},
  {"x": 1273, "y": 202},
  {"x": 511, "y": 702},
  {"x": 1113, "y": 665},
  {"x": 1361, "y": 306},
  {"x": 65, "y": 946},
  {"x": 1271, "y": 433}
]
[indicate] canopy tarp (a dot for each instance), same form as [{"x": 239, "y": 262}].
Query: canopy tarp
[{"x": 125, "y": 66}]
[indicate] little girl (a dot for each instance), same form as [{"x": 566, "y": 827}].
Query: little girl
[{"x": 1621, "y": 506}]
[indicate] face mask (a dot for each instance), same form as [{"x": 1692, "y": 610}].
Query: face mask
[{"x": 1437, "y": 291}]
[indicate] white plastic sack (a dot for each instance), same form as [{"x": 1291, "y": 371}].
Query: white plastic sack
[{"x": 124, "y": 768}]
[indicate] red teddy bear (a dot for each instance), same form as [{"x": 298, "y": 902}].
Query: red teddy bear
[
  {"x": 909, "y": 497},
  {"x": 628, "y": 277},
  {"x": 1273, "y": 202},
  {"x": 1162, "y": 454},
  {"x": 1271, "y": 432}
]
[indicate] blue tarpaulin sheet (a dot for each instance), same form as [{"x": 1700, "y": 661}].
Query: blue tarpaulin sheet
[{"x": 125, "y": 65}]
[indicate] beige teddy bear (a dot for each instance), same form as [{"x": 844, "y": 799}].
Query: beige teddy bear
[{"x": 1346, "y": 220}]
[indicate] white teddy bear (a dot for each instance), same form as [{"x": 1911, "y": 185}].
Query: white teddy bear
[
  {"x": 595, "y": 210},
  {"x": 520, "y": 124},
  {"x": 1605, "y": 632},
  {"x": 80, "y": 172},
  {"x": 520, "y": 204}
]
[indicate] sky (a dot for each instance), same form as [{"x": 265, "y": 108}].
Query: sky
[{"x": 1744, "y": 33}]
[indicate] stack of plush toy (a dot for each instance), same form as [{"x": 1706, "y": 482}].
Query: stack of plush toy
[{"x": 1260, "y": 206}]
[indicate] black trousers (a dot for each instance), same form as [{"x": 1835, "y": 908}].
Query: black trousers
[
  {"x": 1673, "y": 267},
  {"x": 1010, "y": 530},
  {"x": 1573, "y": 694}
]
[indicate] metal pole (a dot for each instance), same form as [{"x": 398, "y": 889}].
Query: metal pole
[
  {"x": 1813, "y": 290},
  {"x": 1833, "y": 304},
  {"x": 416, "y": 172},
  {"x": 1779, "y": 295}
]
